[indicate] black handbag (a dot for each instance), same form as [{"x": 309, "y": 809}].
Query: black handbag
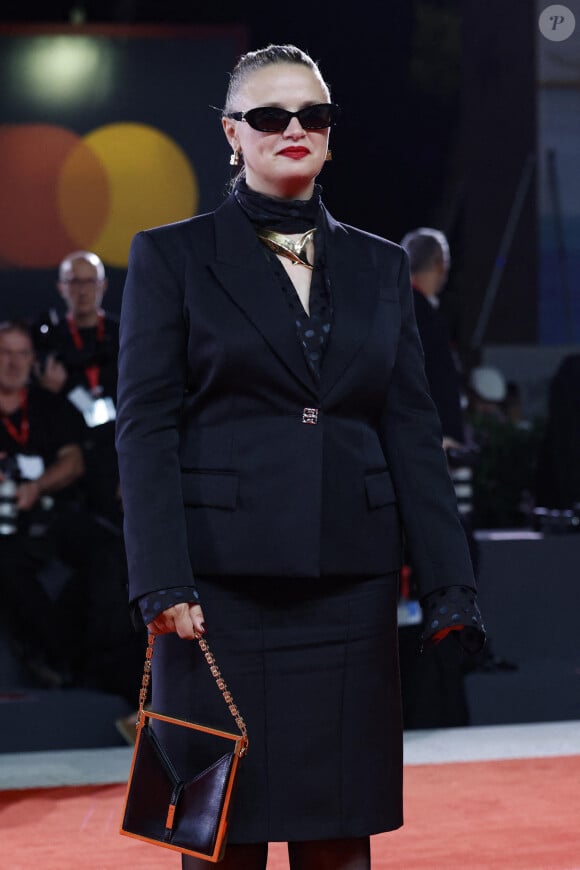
[{"x": 188, "y": 815}]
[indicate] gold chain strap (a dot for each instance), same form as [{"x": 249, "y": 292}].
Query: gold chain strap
[{"x": 216, "y": 674}]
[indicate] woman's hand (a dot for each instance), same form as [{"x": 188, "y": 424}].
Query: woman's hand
[{"x": 186, "y": 620}]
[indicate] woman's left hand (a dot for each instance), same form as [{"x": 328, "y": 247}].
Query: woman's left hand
[{"x": 186, "y": 620}]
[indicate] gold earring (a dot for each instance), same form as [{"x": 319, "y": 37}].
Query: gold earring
[
  {"x": 235, "y": 158},
  {"x": 328, "y": 157}
]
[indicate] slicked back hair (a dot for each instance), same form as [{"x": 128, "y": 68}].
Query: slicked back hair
[
  {"x": 253, "y": 61},
  {"x": 425, "y": 247}
]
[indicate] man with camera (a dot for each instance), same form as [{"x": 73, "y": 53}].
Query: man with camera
[
  {"x": 40, "y": 462},
  {"x": 78, "y": 359}
]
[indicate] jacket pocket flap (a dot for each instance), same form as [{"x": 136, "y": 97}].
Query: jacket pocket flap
[
  {"x": 210, "y": 488},
  {"x": 380, "y": 489}
]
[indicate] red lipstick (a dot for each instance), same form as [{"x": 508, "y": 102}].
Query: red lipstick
[{"x": 296, "y": 152}]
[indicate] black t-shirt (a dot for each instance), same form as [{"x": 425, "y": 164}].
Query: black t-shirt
[
  {"x": 57, "y": 339},
  {"x": 53, "y": 422}
]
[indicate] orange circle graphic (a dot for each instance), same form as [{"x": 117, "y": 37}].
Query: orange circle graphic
[
  {"x": 31, "y": 230},
  {"x": 150, "y": 180},
  {"x": 83, "y": 195},
  {"x": 62, "y": 192}
]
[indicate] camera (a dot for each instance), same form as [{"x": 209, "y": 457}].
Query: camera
[{"x": 9, "y": 480}]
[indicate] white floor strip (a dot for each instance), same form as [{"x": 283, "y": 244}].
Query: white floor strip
[
  {"x": 491, "y": 743},
  {"x": 72, "y": 767}
]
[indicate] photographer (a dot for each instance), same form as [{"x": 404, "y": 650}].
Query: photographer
[
  {"x": 40, "y": 461},
  {"x": 83, "y": 633},
  {"x": 77, "y": 359},
  {"x": 77, "y": 356}
]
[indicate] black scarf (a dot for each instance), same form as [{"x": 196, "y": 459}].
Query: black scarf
[
  {"x": 296, "y": 216},
  {"x": 280, "y": 215}
]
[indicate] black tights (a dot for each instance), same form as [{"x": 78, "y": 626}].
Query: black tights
[{"x": 351, "y": 854}]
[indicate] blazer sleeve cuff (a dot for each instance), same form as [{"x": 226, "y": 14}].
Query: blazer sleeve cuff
[
  {"x": 154, "y": 603},
  {"x": 453, "y": 610}
]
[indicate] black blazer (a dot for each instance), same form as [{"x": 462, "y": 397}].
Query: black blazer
[{"x": 232, "y": 460}]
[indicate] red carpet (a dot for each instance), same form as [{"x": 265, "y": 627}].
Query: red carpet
[{"x": 504, "y": 814}]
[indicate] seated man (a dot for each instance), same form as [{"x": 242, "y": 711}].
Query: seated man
[
  {"x": 40, "y": 460},
  {"x": 82, "y": 632}
]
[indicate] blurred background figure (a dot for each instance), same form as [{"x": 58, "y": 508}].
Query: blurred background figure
[
  {"x": 504, "y": 483},
  {"x": 558, "y": 480},
  {"x": 41, "y": 463},
  {"x": 433, "y": 682},
  {"x": 429, "y": 262},
  {"x": 78, "y": 359},
  {"x": 62, "y": 570},
  {"x": 487, "y": 393}
]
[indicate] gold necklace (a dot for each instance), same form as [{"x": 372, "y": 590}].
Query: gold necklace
[{"x": 285, "y": 247}]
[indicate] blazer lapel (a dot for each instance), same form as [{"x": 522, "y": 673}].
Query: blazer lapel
[
  {"x": 244, "y": 273},
  {"x": 354, "y": 289}
]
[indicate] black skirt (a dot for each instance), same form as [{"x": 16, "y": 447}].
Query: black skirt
[{"x": 313, "y": 667}]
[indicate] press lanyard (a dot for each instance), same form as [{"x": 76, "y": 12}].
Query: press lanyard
[
  {"x": 93, "y": 373},
  {"x": 19, "y": 435}
]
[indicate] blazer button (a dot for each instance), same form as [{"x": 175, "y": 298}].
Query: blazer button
[{"x": 310, "y": 416}]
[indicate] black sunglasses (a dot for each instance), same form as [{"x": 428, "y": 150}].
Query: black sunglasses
[{"x": 271, "y": 119}]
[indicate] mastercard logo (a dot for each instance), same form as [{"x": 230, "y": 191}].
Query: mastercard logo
[{"x": 63, "y": 192}]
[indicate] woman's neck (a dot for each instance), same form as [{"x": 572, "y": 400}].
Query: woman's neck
[{"x": 287, "y": 192}]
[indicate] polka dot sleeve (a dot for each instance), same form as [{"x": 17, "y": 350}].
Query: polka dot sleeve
[
  {"x": 453, "y": 610},
  {"x": 154, "y": 603}
]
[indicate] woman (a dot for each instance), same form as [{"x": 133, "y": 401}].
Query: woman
[{"x": 274, "y": 425}]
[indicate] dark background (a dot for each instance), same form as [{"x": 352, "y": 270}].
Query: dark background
[
  {"x": 439, "y": 123},
  {"x": 438, "y": 100}
]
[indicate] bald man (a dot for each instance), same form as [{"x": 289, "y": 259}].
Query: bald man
[
  {"x": 78, "y": 358},
  {"x": 86, "y": 338}
]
